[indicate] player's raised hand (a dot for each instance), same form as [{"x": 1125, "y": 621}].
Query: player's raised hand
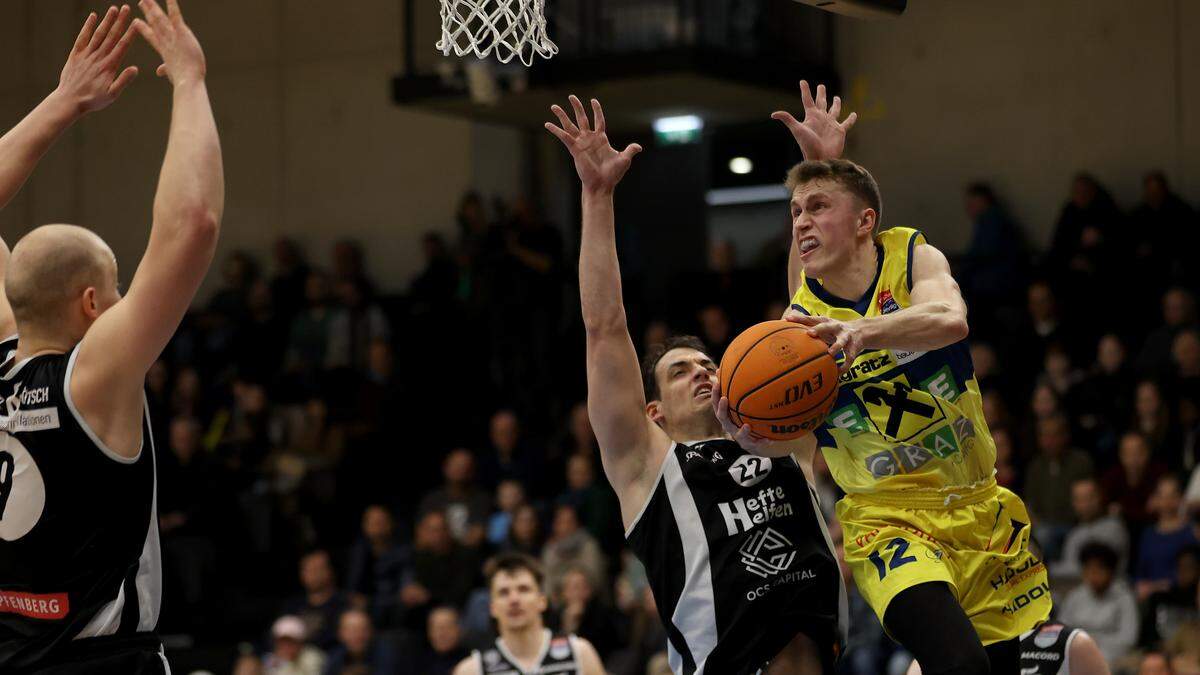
[
  {"x": 843, "y": 337},
  {"x": 183, "y": 59},
  {"x": 93, "y": 77},
  {"x": 599, "y": 165},
  {"x": 820, "y": 135}
]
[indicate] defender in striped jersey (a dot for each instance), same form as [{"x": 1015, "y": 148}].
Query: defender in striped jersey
[
  {"x": 80, "y": 573},
  {"x": 736, "y": 553},
  {"x": 525, "y": 646}
]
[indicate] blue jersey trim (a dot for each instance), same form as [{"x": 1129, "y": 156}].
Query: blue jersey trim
[
  {"x": 800, "y": 308},
  {"x": 912, "y": 244},
  {"x": 864, "y": 302}
]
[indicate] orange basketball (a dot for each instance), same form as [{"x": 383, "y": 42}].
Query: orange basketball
[{"x": 779, "y": 380}]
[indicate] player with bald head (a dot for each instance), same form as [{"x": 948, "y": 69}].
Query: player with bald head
[{"x": 80, "y": 578}]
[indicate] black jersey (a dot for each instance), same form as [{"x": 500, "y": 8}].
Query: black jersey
[
  {"x": 738, "y": 558},
  {"x": 558, "y": 657},
  {"x": 1046, "y": 650},
  {"x": 79, "y": 554}
]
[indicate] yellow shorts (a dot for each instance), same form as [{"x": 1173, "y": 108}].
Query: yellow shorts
[{"x": 979, "y": 545}]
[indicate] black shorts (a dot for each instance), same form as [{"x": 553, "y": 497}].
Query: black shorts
[{"x": 140, "y": 654}]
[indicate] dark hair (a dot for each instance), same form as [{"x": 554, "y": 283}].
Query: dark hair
[
  {"x": 654, "y": 354},
  {"x": 1101, "y": 553},
  {"x": 854, "y": 178},
  {"x": 513, "y": 562},
  {"x": 982, "y": 190}
]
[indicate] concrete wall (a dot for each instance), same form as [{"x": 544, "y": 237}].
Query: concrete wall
[
  {"x": 1022, "y": 93},
  {"x": 314, "y": 146}
]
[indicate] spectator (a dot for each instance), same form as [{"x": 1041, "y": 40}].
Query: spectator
[
  {"x": 1092, "y": 524},
  {"x": 1105, "y": 394},
  {"x": 580, "y": 440},
  {"x": 1154, "y": 663},
  {"x": 1163, "y": 227},
  {"x": 321, "y": 603},
  {"x": 525, "y": 534},
  {"x": 1086, "y": 230},
  {"x": 579, "y": 612},
  {"x": 1056, "y": 464},
  {"x": 1178, "y": 312},
  {"x": 1152, "y": 418},
  {"x": 358, "y": 323},
  {"x": 290, "y": 279},
  {"x": 570, "y": 546},
  {"x": 442, "y": 648},
  {"x": 508, "y": 458},
  {"x": 1162, "y": 541},
  {"x": 359, "y": 651},
  {"x": 435, "y": 289},
  {"x": 1103, "y": 605},
  {"x": 378, "y": 563},
  {"x": 247, "y": 664},
  {"x": 1185, "y": 358},
  {"x": 308, "y": 339},
  {"x": 1168, "y": 610},
  {"x": 510, "y": 496},
  {"x": 596, "y": 505},
  {"x": 464, "y": 504},
  {"x": 1130, "y": 483},
  {"x": 290, "y": 654},
  {"x": 444, "y": 572},
  {"x": 995, "y": 259},
  {"x": 715, "y": 328},
  {"x": 1007, "y": 473}
]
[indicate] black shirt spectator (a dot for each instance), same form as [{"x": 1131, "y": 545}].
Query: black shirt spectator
[
  {"x": 359, "y": 651},
  {"x": 378, "y": 563},
  {"x": 464, "y": 505},
  {"x": 321, "y": 603}
]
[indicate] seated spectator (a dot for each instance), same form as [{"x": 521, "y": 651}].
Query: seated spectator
[
  {"x": 1056, "y": 464},
  {"x": 995, "y": 258},
  {"x": 1152, "y": 418},
  {"x": 357, "y": 323},
  {"x": 594, "y": 502},
  {"x": 507, "y": 458},
  {"x": 1131, "y": 482},
  {"x": 290, "y": 654},
  {"x": 1007, "y": 473},
  {"x": 1184, "y": 648},
  {"x": 247, "y": 664},
  {"x": 378, "y": 563},
  {"x": 571, "y": 547},
  {"x": 444, "y": 572},
  {"x": 463, "y": 503},
  {"x": 525, "y": 534},
  {"x": 1103, "y": 605},
  {"x": 509, "y": 497},
  {"x": 1154, "y": 663},
  {"x": 442, "y": 648},
  {"x": 1168, "y": 610},
  {"x": 1105, "y": 396},
  {"x": 358, "y": 651},
  {"x": 1161, "y": 542},
  {"x": 1178, "y": 312},
  {"x": 578, "y": 611},
  {"x": 1092, "y": 524},
  {"x": 321, "y": 603}
]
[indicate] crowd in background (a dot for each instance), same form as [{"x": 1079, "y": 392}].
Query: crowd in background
[{"x": 336, "y": 464}]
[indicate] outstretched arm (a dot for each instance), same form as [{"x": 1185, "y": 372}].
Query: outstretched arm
[
  {"x": 91, "y": 79},
  {"x": 936, "y": 318},
  {"x": 122, "y": 344},
  {"x": 616, "y": 404},
  {"x": 820, "y": 136}
]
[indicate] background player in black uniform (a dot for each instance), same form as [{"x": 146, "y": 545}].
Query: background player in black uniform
[
  {"x": 525, "y": 646},
  {"x": 79, "y": 559},
  {"x": 736, "y": 553},
  {"x": 1055, "y": 649}
]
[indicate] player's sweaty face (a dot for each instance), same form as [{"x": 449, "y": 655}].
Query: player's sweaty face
[
  {"x": 686, "y": 381},
  {"x": 825, "y": 217},
  {"x": 516, "y": 599}
]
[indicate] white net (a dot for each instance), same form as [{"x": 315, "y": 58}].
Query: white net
[{"x": 508, "y": 28}]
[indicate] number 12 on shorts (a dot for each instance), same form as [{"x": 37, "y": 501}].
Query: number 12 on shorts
[{"x": 898, "y": 558}]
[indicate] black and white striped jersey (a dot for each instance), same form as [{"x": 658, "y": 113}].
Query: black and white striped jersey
[
  {"x": 739, "y": 559},
  {"x": 1046, "y": 650},
  {"x": 558, "y": 657},
  {"x": 79, "y": 552}
]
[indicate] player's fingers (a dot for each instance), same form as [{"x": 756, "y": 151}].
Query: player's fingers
[
  {"x": 836, "y": 108},
  {"x": 581, "y": 117},
  {"x": 154, "y": 14},
  {"x": 821, "y": 97},
  {"x": 806, "y": 95},
  {"x": 850, "y": 120},
  {"x": 161, "y": 70},
  {"x": 118, "y": 53},
  {"x": 796, "y": 316},
  {"x": 102, "y": 30},
  {"x": 564, "y": 120},
  {"x": 598, "y": 116},
  {"x": 631, "y": 150},
  {"x": 174, "y": 12},
  {"x": 148, "y": 33},
  {"x": 122, "y": 81},
  {"x": 117, "y": 32},
  {"x": 560, "y": 134},
  {"x": 85, "y": 33}
]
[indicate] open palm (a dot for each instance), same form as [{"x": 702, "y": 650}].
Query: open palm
[
  {"x": 599, "y": 165},
  {"x": 820, "y": 135}
]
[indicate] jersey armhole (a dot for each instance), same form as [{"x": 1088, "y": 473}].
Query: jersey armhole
[
  {"x": 653, "y": 488},
  {"x": 912, "y": 245},
  {"x": 108, "y": 452}
]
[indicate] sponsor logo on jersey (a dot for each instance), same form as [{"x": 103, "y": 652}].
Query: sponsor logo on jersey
[
  {"x": 887, "y": 304},
  {"x": 849, "y": 419},
  {"x": 692, "y": 454},
  {"x": 766, "y": 553},
  {"x": 1047, "y": 635},
  {"x": 783, "y": 579},
  {"x": 25, "y": 398},
  {"x": 799, "y": 392},
  {"x": 1016, "y": 574},
  {"x": 559, "y": 649},
  {"x": 750, "y": 470},
  {"x": 717, "y": 457},
  {"x": 16, "y": 419},
  {"x": 906, "y": 357},
  {"x": 866, "y": 366},
  {"x": 1023, "y": 600},
  {"x": 744, "y": 514},
  {"x": 491, "y": 658},
  {"x": 48, "y": 606}
]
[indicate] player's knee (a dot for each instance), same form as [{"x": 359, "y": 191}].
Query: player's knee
[{"x": 965, "y": 658}]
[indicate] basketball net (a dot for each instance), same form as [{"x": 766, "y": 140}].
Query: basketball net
[{"x": 509, "y": 28}]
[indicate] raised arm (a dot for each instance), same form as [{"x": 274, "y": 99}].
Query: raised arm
[
  {"x": 91, "y": 80},
  {"x": 820, "y": 136},
  {"x": 936, "y": 318},
  {"x": 124, "y": 341},
  {"x": 616, "y": 404}
]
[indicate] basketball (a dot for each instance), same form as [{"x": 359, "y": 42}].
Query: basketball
[{"x": 779, "y": 380}]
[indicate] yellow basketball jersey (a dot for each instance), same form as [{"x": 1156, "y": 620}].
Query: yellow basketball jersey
[{"x": 902, "y": 420}]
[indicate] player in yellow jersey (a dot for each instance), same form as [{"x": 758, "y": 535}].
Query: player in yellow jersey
[{"x": 939, "y": 551}]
